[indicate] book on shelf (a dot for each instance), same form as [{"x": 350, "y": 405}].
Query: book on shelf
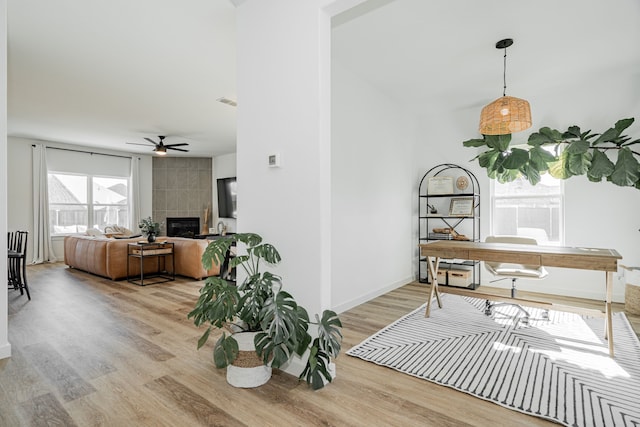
[{"x": 440, "y": 236}]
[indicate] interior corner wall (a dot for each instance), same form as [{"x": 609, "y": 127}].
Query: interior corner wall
[
  {"x": 5, "y": 347},
  {"x": 372, "y": 143},
  {"x": 20, "y": 191}
]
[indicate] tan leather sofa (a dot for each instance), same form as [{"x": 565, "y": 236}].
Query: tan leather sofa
[{"x": 108, "y": 257}]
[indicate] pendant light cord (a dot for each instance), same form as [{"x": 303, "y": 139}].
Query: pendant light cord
[{"x": 504, "y": 74}]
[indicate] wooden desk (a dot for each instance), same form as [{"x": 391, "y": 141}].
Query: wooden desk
[{"x": 548, "y": 256}]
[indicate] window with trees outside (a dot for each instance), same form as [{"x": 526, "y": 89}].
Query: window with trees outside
[
  {"x": 79, "y": 202},
  {"x": 521, "y": 209}
]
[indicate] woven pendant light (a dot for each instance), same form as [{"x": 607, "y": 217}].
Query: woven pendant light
[{"x": 506, "y": 114}]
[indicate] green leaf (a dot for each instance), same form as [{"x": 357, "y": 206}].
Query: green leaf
[
  {"x": 203, "y": 339},
  {"x": 316, "y": 371},
  {"x": 280, "y": 323},
  {"x": 578, "y": 147},
  {"x": 608, "y": 136},
  {"x": 499, "y": 142},
  {"x": 531, "y": 173},
  {"x": 537, "y": 139},
  {"x": 560, "y": 168},
  {"x": 488, "y": 158},
  {"x": 507, "y": 175},
  {"x": 540, "y": 158},
  {"x": 216, "y": 304},
  {"x": 622, "y": 124},
  {"x": 572, "y": 132},
  {"x": 216, "y": 251},
  {"x": 267, "y": 252},
  {"x": 476, "y": 142},
  {"x": 601, "y": 166},
  {"x": 515, "y": 159},
  {"x": 579, "y": 163},
  {"x": 225, "y": 351},
  {"x": 329, "y": 335},
  {"x": 552, "y": 134},
  {"x": 626, "y": 171}
]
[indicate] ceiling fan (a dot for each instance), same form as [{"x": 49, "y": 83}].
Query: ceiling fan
[{"x": 160, "y": 147}]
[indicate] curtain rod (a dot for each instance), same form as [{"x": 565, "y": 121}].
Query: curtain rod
[{"x": 87, "y": 152}]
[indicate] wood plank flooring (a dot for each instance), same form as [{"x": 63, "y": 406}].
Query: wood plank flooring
[{"x": 87, "y": 351}]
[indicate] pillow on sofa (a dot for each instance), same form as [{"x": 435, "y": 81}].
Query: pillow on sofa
[
  {"x": 117, "y": 229},
  {"x": 93, "y": 232}
]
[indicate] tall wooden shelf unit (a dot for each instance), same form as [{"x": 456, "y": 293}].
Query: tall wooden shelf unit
[{"x": 439, "y": 188}]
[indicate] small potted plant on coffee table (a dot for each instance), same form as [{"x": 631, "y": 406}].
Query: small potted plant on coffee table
[{"x": 267, "y": 326}]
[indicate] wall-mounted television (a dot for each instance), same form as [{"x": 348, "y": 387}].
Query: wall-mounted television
[{"x": 227, "y": 198}]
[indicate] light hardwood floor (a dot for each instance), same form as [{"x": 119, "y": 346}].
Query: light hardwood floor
[{"x": 88, "y": 351}]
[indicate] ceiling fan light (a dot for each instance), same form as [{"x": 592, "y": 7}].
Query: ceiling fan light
[
  {"x": 505, "y": 115},
  {"x": 161, "y": 151}
]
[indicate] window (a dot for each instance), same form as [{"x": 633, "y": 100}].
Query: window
[
  {"x": 79, "y": 202},
  {"x": 521, "y": 209}
]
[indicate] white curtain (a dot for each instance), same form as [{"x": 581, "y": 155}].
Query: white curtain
[
  {"x": 134, "y": 194},
  {"x": 42, "y": 247}
]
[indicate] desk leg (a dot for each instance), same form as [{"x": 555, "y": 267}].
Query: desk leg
[
  {"x": 608, "y": 326},
  {"x": 433, "y": 270}
]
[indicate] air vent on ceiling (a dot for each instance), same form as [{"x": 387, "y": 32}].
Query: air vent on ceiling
[{"x": 228, "y": 101}]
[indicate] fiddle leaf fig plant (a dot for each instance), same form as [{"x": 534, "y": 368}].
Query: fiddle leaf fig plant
[
  {"x": 260, "y": 305},
  {"x": 563, "y": 155}
]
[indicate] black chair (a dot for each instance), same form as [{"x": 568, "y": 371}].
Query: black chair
[{"x": 17, "y": 261}]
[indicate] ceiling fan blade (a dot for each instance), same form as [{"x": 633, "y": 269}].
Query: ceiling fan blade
[
  {"x": 177, "y": 149},
  {"x": 135, "y": 143},
  {"x": 176, "y": 145},
  {"x": 152, "y": 141}
]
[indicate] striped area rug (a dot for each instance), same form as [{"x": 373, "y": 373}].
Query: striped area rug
[{"x": 557, "y": 369}]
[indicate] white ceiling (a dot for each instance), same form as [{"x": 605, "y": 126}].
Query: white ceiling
[
  {"x": 438, "y": 57},
  {"x": 103, "y": 73}
]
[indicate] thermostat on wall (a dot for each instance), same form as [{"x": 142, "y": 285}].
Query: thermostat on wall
[{"x": 274, "y": 160}]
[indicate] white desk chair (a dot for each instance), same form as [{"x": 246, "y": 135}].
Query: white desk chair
[{"x": 513, "y": 271}]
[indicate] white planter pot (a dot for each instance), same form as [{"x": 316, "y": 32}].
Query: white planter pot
[{"x": 247, "y": 370}]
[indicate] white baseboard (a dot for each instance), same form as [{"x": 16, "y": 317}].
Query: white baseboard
[
  {"x": 5, "y": 351},
  {"x": 371, "y": 295}
]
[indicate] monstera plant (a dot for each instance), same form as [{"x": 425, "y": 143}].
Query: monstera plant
[
  {"x": 260, "y": 306},
  {"x": 563, "y": 155}
]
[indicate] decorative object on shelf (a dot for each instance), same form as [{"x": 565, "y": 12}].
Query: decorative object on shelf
[
  {"x": 462, "y": 183},
  {"x": 432, "y": 209},
  {"x": 260, "y": 305},
  {"x": 150, "y": 228},
  {"x": 461, "y": 206},
  {"x": 584, "y": 153},
  {"x": 205, "y": 222},
  {"x": 440, "y": 185},
  {"x": 452, "y": 233},
  {"x": 507, "y": 114}
]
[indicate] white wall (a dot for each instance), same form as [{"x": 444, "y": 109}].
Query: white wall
[
  {"x": 20, "y": 191},
  {"x": 5, "y": 347},
  {"x": 372, "y": 147},
  {"x": 284, "y": 108},
  {"x": 224, "y": 166}
]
